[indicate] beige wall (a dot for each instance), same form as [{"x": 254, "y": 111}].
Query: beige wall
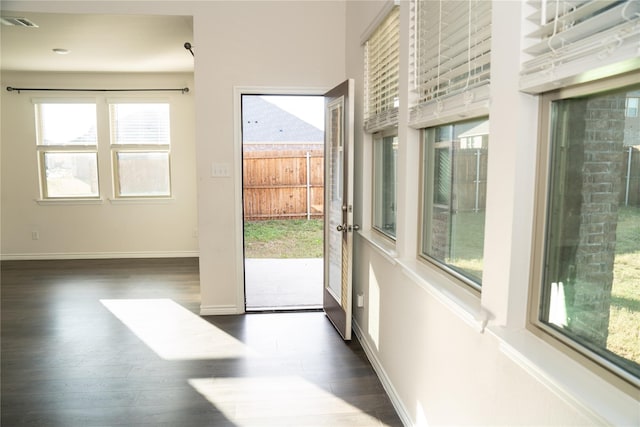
[
  {"x": 237, "y": 44},
  {"x": 108, "y": 229},
  {"x": 450, "y": 357},
  {"x": 249, "y": 44},
  {"x": 423, "y": 334}
]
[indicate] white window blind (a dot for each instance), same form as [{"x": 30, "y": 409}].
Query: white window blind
[
  {"x": 381, "y": 74},
  {"x": 146, "y": 123},
  {"x": 576, "y": 41},
  {"x": 451, "y": 60},
  {"x": 140, "y": 146}
]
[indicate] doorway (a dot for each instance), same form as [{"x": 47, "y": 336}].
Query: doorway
[{"x": 283, "y": 201}]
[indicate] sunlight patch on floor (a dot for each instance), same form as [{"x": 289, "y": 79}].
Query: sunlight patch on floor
[
  {"x": 275, "y": 398},
  {"x": 174, "y": 332},
  {"x": 374, "y": 308}
]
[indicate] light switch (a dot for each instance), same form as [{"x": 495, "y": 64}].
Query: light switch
[{"x": 220, "y": 170}]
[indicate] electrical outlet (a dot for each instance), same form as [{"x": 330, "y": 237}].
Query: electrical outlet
[{"x": 35, "y": 235}]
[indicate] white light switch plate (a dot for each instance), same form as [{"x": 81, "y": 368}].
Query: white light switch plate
[{"x": 220, "y": 170}]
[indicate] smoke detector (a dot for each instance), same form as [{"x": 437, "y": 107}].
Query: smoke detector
[{"x": 11, "y": 21}]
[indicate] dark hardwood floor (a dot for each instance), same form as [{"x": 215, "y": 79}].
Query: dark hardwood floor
[{"x": 119, "y": 342}]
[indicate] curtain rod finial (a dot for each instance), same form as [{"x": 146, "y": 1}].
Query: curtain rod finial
[{"x": 188, "y": 46}]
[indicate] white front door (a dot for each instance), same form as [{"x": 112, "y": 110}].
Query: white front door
[{"x": 338, "y": 222}]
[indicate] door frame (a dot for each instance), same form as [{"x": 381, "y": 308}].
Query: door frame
[{"x": 238, "y": 210}]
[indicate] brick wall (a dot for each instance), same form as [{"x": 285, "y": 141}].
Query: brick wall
[{"x": 602, "y": 172}]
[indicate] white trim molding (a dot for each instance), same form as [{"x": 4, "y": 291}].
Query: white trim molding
[
  {"x": 220, "y": 310},
  {"x": 382, "y": 375},
  {"x": 98, "y": 255},
  {"x": 238, "y": 91}
]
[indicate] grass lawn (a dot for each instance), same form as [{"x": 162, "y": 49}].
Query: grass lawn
[
  {"x": 290, "y": 238},
  {"x": 467, "y": 243},
  {"x": 624, "y": 320}
]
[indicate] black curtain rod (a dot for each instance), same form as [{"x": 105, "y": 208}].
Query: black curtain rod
[{"x": 20, "y": 89}]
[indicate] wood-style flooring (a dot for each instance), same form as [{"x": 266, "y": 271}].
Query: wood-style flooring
[{"x": 119, "y": 342}]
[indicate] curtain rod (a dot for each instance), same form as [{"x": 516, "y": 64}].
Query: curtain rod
[{"x": 20, "y": 89}]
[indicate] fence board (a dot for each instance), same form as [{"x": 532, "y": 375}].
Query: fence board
[
  {"x": 275, "y": 184},
  {"x": 468, "y": 179}
]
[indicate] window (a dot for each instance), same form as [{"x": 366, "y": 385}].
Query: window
[
  {"x": 67, "y": 147},
  {"x": 632, "y": 106},
  {"x": 381, "y": 74},
  {"x": 587, "y": 285},
  {"x": 381, "y": 117},
  {"x": 68, "y": 143},
  {"x": 385, "y": 149},
  {"x": 454, "y": 168},
  {"x": 140, "y": 149}
]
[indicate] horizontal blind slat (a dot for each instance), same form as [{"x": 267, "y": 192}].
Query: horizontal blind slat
[
  {"x": 595, "y": 34},
  {"x": 381, "y": 73},
  {"x": 601, "y": 22},
  {"x": 452, "y": 55}
]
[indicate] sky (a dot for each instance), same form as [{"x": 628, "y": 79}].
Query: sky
[{"x": 308, "y": 108}]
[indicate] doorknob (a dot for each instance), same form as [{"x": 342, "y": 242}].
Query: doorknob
[
  {"x": 342, "y": 227},
  {"x": 356, "y": 227}
]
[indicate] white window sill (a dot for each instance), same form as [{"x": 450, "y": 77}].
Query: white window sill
[
  {"x": 142, "y": 200},
  {"x": 382, "y": 245},
  {"x": 450, "y": 293},
  {"x": 595, "y": 397},
  {"x": 70, "y": 201}
]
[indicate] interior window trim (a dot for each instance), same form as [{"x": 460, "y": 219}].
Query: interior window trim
[{"x": 603, "y": 367}]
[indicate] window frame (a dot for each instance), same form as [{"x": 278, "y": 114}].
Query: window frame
[
  {"x": 603, "y": 367},
  {"x": 43, "y": 149},
  {"x": 379, "y": 137},
  {"x": 632, "y": 111},
  {"x": 428, "y": 193},
  {"x": 146, "y": 148}
]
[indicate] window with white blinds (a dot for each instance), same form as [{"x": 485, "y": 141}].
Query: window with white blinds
[
  {"x": 576, "y": 41},
  {"x": 139, "y": 123},
  {"x": 381, "y": 74},
  {"x": 140, "y": 147},
  {"x": 451, "y": 54}
]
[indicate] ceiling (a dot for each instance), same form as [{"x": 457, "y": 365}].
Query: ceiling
[{"x": 97, "y": 43}]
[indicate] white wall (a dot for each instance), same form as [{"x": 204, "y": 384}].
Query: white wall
[
  {"x": 422, "y": 332},
  {"x": 107, "y": 229},
  {"x": 249, "y": 44},
  {"x": 425, "y": 333},
  {"x": 237, "y": 44}
]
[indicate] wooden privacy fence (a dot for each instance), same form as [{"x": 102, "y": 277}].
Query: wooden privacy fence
[
  {"x": 283, "y": 184},
  {"x": 470, "y": 179}
]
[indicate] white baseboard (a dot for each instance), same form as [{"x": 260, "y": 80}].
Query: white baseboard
[
  {"x": 98, "y": 255},
  {"x": 219, "y": 310},
  {"x": 384, "y": 378}
]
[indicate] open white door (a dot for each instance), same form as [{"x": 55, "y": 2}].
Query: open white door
[{"x": 338, "y": 202}]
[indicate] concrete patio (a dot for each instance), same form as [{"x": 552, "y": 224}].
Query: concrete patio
[{"x": 283, "y": 284}]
